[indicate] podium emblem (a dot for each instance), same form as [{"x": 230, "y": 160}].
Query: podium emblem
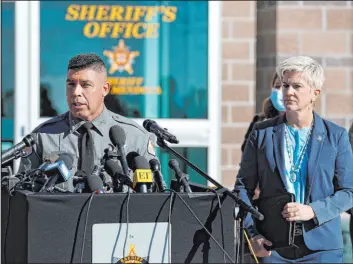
[
  {"x": 132, "y": 258},
  {"x": 141, "y": 243}
]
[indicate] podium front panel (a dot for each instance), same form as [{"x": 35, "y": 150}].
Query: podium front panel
[{"x": 49, "y": 228}]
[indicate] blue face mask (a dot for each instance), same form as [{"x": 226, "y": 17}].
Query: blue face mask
[{"x": 277, "y": 99}]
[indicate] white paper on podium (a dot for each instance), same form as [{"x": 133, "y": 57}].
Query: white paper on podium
[{"x": 145, "y": 243}]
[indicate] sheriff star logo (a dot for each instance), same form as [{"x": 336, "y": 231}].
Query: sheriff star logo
[
  {"x": 132, "y": 258},
  {"x": 121, "y": 58}
]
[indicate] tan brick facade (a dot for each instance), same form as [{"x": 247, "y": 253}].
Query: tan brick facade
[
  {"x": 256, "y": 36},
  {"x": 238, "y": 81}
]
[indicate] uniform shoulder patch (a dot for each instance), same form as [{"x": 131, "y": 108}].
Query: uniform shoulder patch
[{"x": 150, "y": 148}]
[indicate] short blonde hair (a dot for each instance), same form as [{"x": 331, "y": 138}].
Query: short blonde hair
[{"x": 311, "y": 70}]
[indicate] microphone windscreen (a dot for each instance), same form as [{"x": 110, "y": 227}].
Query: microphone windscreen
[
  {"x": 117, "y": 135},
  {"x": 144, "y": 124},
  {"x": 94, "y": 183},
  {"x": 29, "y": 140},
  {"x": 130, "y": 159},
  {"x": 112, "y": 167},
  {"x": 147, "y": 124},
  {"x": 141, "y": 163},
  {"x": 173, "y": 163},
  {"x": 154, "y": 164}
]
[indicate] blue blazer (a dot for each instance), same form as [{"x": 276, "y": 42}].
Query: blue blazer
[{"x": 329, "y": 185}]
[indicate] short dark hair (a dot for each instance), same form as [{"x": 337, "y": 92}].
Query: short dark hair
[
  {"x": 268, "y": 110},
  {"x": 86, "y": 60}
]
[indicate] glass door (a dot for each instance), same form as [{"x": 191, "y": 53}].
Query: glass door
[{"x": 170, "y": 72}]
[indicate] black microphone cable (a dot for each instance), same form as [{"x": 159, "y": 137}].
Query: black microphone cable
[
  {"x": 201, "y": 224},
  {"x": 85, "y": 225},
  {"x": 170, "y": 222},
  {"x": 95, "y": 184},
  {"x": 221, "y": 216},
  {"x": 112, "y": 171},
  {"x": 128, "y": 195},
  {"x": 86, "y": 222},
  {"x": 127, "y": 221},
  {"x": 7, "y": 226},
  {"x": 88, "y": 201}
]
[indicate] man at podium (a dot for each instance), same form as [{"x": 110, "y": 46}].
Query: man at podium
[
  {"x": 303, "y": 154},
  {"x": 83, "y": 131}
]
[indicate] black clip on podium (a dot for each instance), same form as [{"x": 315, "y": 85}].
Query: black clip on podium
[{"x": 243, "y": 206}]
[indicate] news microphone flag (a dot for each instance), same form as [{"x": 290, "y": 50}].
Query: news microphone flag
[{"x": 142, "y": 176}]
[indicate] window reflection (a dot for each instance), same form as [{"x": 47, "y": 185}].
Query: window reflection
[
  {"x": 8, "y": 59},
  {"x": 46, "y": 107},
  {"x": 7, "y": 73}
]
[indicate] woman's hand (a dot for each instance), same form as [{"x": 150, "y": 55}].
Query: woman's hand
[
  {"x": 297, "y": 212},
  {"x": 257, "y": 243}
]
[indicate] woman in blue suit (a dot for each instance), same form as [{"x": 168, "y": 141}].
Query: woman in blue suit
[{"x": 301, "y": 153}]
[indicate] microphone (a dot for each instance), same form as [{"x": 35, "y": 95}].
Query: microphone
[
  {"x": 157, "y": 175},
  {"x": 142, "y": 179},
  {"x": 57, "y": 172},
  {"x": 95, "y": 183},
  {"x": 130, "y": 158},
  {"x": 114, "y": 170},
  {"x": 54, "y": 157},
  {"x": 174, "y": 165},
  {"x": 79, "y": 181},
  {"x": 15, "y": 150},
  {"x": 9, "y": 182},
  {"x": 107, "y": 182},
  {"x": 118, "y": 138},
  {"x": 151, "y": 126},
  {"x": 63, "y": 165},
  {"x": 79, "y": 176}
]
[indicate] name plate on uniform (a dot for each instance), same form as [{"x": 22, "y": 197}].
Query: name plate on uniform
[{"x": 144, "y": 243}]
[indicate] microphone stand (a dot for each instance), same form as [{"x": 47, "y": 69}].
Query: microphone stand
[
  {"x": 118, "y": 184},
  {"x": 16, "y": 155},
  {"x": 243, "y": 206}
]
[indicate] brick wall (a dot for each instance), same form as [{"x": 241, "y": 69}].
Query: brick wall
[
  {"x": 238, "y": 81},
  {"x": 320, "y": 29},
  {"x": 258, "y": 35},
  {"x": 266, "y": 48}
]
